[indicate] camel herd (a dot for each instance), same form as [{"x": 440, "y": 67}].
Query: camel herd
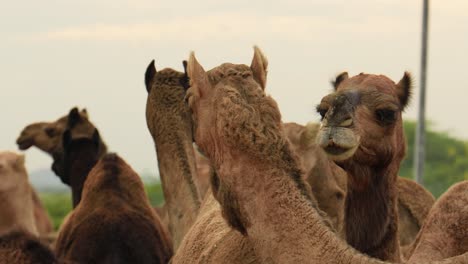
[{"x": 240, "y": 185}]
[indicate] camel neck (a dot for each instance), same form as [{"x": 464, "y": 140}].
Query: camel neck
[
  {"x": 279, "y": 219},
  {"x": 371, "y": 212},
  {"x": 81, "y": 164}
]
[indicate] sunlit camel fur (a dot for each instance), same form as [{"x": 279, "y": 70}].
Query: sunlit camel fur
[
  {"x": 236, "y": 126},
  {"x": 168, "y": 120},
  {"x": 16, "y": 203},
  {"x": 47, "y": 136},
  {"x": 362, "y": 132},
  {"x": 114, "y": 222},
  {"x": 22, "y": 248}
]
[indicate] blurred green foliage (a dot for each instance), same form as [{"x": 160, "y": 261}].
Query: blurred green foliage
[
  {"x": 59, "y": 204},
  {"x": 446, "y": 159}
]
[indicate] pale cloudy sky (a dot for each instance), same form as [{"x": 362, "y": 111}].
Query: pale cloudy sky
[{"x": 93, "y": 54}]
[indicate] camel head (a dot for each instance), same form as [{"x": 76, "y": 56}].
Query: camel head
[
  {"x": 230, "y": 99},
  {"x": 361, "y": 119},
  {"x": 12, "y": 171},
  {"x": 78, "y": 131},
  {"x": 44, "y": 135}
]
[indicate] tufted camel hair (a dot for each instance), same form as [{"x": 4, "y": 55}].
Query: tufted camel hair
[
  {"x": 114, "y": 222},
  {"x": 258, "y": 181}
]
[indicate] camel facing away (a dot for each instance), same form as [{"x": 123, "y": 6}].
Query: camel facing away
[
  {"x": 19, "y": 247},
  {"x": 16, "y": 203},
  {"x": 47, "y": 136},
  {"x": 114, "y": 222},
  {"x": 168, "y": 120},
  {"x": 258, "y": 182}
]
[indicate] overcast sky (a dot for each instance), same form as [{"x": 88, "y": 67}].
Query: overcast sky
[{"x": 93, "y": 54}]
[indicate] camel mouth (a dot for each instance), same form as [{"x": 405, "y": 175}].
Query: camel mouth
[
  {"x": 24, "y": 144},
  {"x": 338, "y": 153}
]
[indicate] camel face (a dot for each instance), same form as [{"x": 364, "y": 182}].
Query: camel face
[
  {"x": 12, "y": 171},
  {"x": 361, "y": 120}
]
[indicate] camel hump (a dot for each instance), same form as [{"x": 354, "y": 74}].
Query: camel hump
[
  {"x": 149, "y": 75},
  {"x": 415, "y": 198}
]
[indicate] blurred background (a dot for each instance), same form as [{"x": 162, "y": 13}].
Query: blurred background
[{"x": 93, "y": 54}]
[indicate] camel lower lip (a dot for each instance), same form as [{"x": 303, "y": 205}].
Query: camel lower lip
[
  {"x": 335, "y": 150},
  {"x": 24, "y": 145}
]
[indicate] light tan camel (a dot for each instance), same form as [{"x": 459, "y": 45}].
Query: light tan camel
[
  {"x": 114, "y": 222},
  {"x": 47, "y": 136},
  {"x": 258, "y": 181},
  {"x": 41, "y": 217},
  {"x": 168, "y": 120},
  {"x": 16, "y": 203}
]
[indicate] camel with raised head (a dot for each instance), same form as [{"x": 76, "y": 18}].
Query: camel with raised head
[
  {"x": 258, "y": 181},
  {"x": 16, "y": 203},
  {"x": 114, "y": 222},
  {"x": 168, "y": 120},
  {"x": 47, "y": 136}
]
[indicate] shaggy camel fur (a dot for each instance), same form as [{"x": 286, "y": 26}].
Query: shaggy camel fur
[
  {"x": 22, "y": 248},
  {"x": 114, "y": 222},
  {"x": 258, "y": 181},
  {"x": 362, "y": 132},
  {"x": 80, "y": 153},
  {"x": 168, "y": 120},
  {"x": 47, "y": 136},
  {"x": 16, "y": 203}
]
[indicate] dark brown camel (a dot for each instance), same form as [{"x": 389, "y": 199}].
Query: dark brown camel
[
  {"x": 22, "y": 248},
  {"x": 114, "y": 222}
]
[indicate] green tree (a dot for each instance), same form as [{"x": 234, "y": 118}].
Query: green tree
[{"x": 446, "y": 159}]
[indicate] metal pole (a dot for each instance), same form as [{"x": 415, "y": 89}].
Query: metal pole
[{"x": 420, "y": 143}]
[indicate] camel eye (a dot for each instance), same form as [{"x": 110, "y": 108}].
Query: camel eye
[
  {"x": 322, "y": 111},
  {"x": 385, "y": 116}
]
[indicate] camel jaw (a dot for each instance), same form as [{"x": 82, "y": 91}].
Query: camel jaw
[{"x": 24, "y": 144}]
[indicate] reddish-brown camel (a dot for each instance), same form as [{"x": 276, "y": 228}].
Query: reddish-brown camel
[
  {"x": 168, "y": 120},
  {"x": 22, "y": 248},
  {"x": 114, "y": 222},
  {"x": 258, "y": 181}
]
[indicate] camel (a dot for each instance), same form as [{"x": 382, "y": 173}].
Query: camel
[
  {"x": 168, "y": 120},
  {"x": 414, "y": 202},
  {"x": 18, "y": 247},
  {"x": 114, "y": 222},
  {"x": 41, "y": 217},
  {"x": 47, "y": 137},
  {"x": 16, "y": 203},
  {"x": 362, "y": 132},
  {"x": 258, "y": 181},
  {"x": 80, "y": 153}
]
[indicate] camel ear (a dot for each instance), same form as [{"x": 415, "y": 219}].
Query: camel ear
[
  {"x": 73, "y": 117},
  {"x": 197, "y": 75},
  {"x": 403, "y": 89},
  {"x": 259, "y": 67},
  {"x": 340, "y": 78},
  {"x": 149, "y": 75},
  {"x": 84, "y": 113}
]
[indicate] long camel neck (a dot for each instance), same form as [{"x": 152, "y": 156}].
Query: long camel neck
[
  {"x": 81, "y": 164},
  {"x": 371, "y": 211}
]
